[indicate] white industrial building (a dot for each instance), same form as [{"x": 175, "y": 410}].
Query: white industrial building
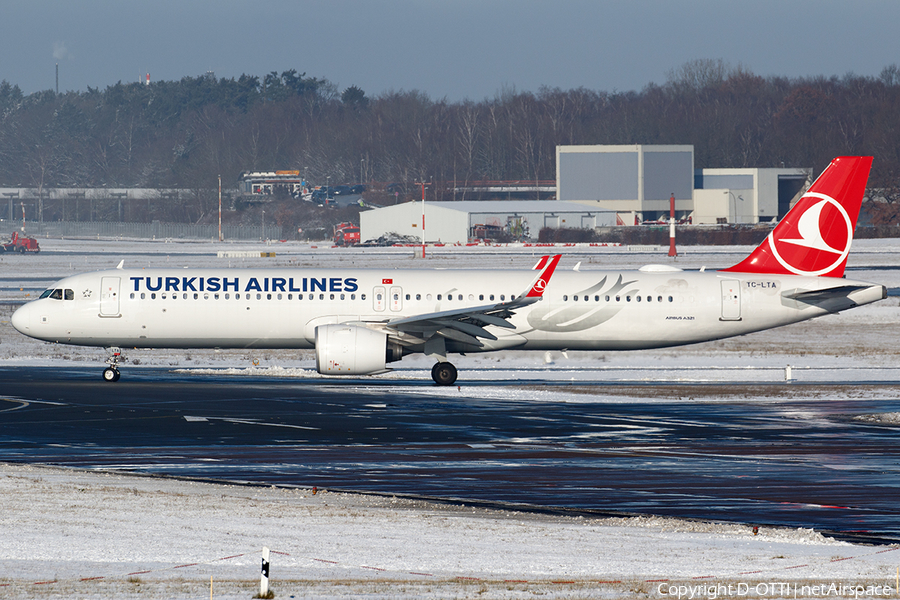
[
  {"x": 746, "y": 196},
  {"x": 458, "y": 222},
  {"x": 638, "y": 181}
]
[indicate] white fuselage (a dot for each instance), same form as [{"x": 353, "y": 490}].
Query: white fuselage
[{"x": 281, "y": 308}]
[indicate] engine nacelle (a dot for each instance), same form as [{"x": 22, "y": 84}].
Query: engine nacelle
[{"x": 353, "y": 350}]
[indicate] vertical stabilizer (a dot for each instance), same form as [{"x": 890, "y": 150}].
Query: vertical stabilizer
[{"x": 814, "y": 238}]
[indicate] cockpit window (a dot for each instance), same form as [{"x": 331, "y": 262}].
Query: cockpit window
[{"x": 59, "y": 294}]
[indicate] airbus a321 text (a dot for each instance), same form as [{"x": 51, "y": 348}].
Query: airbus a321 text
[{"x": 358, "y": 321}]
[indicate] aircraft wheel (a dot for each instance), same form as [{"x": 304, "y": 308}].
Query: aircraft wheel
[
  {"x": 443, "y": 373},
  {"x": 110, "y": 374}
]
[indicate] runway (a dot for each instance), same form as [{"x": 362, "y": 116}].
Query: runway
[{"x": 780, "y": 454}]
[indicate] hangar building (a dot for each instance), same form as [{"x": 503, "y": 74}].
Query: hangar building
[
  {"x": 627, "y": 179},
  {"x": 747, "y": 196},
  {"x": 458, "y": 222},
  {"x": 637, "y": 182}
]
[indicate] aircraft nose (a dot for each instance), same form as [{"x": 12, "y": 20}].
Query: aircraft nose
[{"x": 21, "y": 319}]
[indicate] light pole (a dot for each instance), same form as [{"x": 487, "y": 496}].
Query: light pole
[
  {"x": 734, "y": 200},
  {"x": 423, "y": 219},
  {"x": 220, "y": 208}
]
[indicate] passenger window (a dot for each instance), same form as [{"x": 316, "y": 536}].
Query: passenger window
[
  {"x": 565, "y": 298},
  {"x": 196, "y": 296},
  {"x": 638, "y": 298},
  {"x": 502, "y": 297},
  {"x": 143, "y": 295},
  {"x": 353, "y": 296},
  {"x": 492, "y": 297},
  {"x": 362, "y": 296},
  {"x": 259, "y": 296},
  {"x": 481, "y": 296},
  {"x": 153, "y": 296},
  {"x": 438, "y": 297},
  {"x": 408, "y": 296},
  {"x": 418, "y": 296}
]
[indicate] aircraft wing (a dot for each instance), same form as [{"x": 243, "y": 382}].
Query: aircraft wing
[{"x": 466, "y": 325}]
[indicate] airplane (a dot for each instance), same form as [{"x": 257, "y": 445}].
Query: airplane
[{"x": 358, "y": 321}]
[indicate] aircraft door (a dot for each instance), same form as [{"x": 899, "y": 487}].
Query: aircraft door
[
  {"x": 396, "y": 298},
  {"x": 731, "y": 300},
  {"x": 378, "y": 297},
  {"x": 109, "y": 297}
]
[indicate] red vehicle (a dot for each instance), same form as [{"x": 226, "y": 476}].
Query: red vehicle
[
  {"x": 346, "y": 234},
  {"x": 21, "y": 243}
]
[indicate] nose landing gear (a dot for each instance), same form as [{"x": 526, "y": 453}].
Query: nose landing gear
[{"x": 111, "y": 373}]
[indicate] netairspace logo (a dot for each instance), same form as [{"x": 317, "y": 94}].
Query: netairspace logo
[{"x": 778, "y": 589}]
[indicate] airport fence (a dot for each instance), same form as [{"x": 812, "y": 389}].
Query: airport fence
[{"x": 142, "y": 231}]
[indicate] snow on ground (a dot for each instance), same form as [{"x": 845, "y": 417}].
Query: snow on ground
[{"x": 68, "y": 533}]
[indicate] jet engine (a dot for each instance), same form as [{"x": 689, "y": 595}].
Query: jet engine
[{"x": 353, "y": 350}]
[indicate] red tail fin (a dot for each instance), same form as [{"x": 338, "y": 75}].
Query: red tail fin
[
  {"x": 547, "y": 263},
  {"x": 814, "y": 237}
]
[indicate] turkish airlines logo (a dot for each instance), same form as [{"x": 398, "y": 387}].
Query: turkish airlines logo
[
  {"x": 819, "y": 241},
  {"x": 539, "y": 286}
]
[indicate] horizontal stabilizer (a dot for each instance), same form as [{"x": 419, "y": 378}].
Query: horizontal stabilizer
[{"x": 834, "y": 299}]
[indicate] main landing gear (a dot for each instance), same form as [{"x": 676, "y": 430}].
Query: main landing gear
[
  {"x": 443, "y": 373},
  {"x": 111, "y": 373}
]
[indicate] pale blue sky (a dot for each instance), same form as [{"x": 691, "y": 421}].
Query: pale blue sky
[{"x": 450, "y": 48}]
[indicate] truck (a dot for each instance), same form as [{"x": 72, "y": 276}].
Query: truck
[
  {"x": 20, "y": 243},
  {"x": 346, "y": 234}
]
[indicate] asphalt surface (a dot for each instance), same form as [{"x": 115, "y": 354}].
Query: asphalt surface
[{"x": 752, "y": 454}]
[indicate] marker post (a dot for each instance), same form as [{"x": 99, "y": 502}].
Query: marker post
[
  {"x": 264, "y": 574},
  {"x": 672, "y": 251}
]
